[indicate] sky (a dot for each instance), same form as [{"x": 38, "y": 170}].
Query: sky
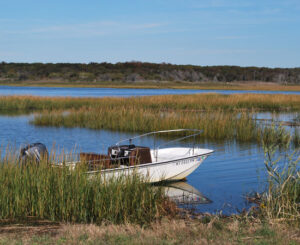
[{"x": 198, "y": 32}]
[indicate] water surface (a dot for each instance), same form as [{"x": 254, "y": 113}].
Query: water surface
[{"x": 117, "y": 92}]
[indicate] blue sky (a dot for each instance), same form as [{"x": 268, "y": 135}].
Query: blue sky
[{"x": 203, "y": 32}]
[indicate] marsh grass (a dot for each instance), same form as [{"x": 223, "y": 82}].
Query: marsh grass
[
  {"x": 277, "y": 135},
  {"x": 296, "y": 138},
  {"x": 202, "y": 102},
  {"x": 216, "y": 125},
  {"x": 59, "y": 194},
  {"x": 282, "y": 199},
  {"x": 221, "y": 117}
]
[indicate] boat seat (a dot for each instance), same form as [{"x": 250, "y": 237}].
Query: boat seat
[
  {"x": 140, "y": 155},
  {"x": 95, "y": 161}
]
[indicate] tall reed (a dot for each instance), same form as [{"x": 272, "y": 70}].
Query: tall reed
[
  {"x": 216, "y": 125},
  {"x": 282, "y": 199},
  {"x": 57, "y": 193},
  {"x": 266, "y": 102}
]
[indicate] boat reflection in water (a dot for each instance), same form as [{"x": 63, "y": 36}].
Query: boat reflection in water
[{"x": 182, "y": 193}]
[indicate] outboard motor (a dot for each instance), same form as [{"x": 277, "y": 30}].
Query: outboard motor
[
  {"x": 120, "y": 153},
  {"x": 34, "y": 153},
  {"x": 129, "y": 154}
]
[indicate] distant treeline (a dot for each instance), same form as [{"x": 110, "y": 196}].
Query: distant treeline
[{"x": 143, "y": 72}]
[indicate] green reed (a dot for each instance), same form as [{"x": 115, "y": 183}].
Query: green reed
[
  {"x": 61, "y": 194},
  {"x": 282, "y": 199},
  {"x": 216, "y": 125},
  {"x": 296, "y": 138}
]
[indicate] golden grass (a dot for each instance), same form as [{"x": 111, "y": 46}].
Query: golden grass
[
  {"x": 216, "y": 231},
  {"x": 211, "y": 101},
  {"x": 217, "y": 125}
]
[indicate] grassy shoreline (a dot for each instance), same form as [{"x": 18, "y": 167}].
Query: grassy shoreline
[
  {"x": 34, "y": 194},
  {"x": 260, "y": 86},
  {"x": 54, "y": 193},
  {"x": 232, "y": 230},
  {"x": 275, "y": 220}
]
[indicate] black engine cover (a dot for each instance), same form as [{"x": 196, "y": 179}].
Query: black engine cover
[{"x": 34, "y": 153}]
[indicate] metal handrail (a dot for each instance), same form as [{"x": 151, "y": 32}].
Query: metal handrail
[
  {"x": 157, "y": 132},
  {"x": 182, "y": 138}
]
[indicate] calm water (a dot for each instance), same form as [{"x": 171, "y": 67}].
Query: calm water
[
  {"x": 225, "y": 177},
  {"x": 102, "y": 92}
]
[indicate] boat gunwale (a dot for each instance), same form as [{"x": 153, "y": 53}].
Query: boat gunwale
[{"x": 147, "y": 164}]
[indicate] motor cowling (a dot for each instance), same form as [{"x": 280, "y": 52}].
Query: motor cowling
[
  {"x": 121, "y": 151},
  {"x": 120, "y": 154},
  {"x": 35, "y": 152}
]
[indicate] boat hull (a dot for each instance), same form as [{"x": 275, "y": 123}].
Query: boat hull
[{"x": 176, "y": 169}]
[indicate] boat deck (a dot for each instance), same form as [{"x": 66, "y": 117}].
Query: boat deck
[{"x": 167, "y": 154}]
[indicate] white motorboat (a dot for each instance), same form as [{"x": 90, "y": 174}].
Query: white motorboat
[{"x": 162, "y": 163}]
